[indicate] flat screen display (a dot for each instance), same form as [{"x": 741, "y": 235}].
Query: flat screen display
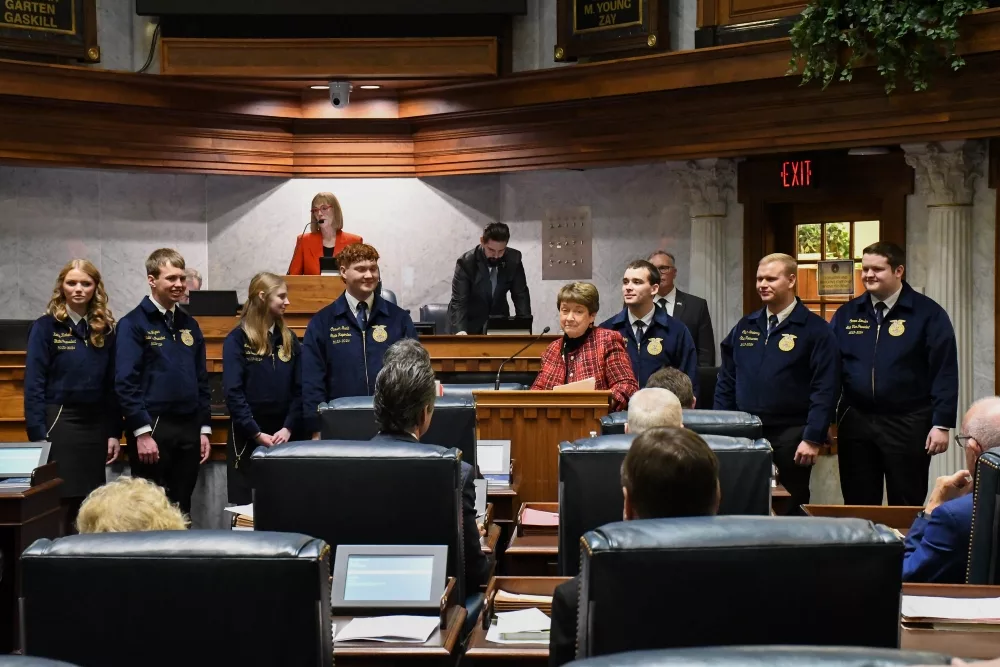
[
  {"x": 19, "y": 461},
  {"x": 389, "y": 578}
]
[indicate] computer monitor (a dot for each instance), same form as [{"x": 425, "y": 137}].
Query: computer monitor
[
  {"x": 213, "y": 302},
  {"x": 14, "y": 334},
  {"x": 389, "y": 577},
  {"x": 516, "y": 325},
  {"x": 425, "y": 328},
  {"x": 19, "y": 459},
  {"x": 328, "y": 266}
]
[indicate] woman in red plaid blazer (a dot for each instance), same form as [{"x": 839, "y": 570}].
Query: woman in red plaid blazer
[{"x": 587, "y": 352}]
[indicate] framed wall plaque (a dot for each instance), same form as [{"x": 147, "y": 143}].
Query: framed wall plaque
[
  {"x": 608, "y": 27},
  {"x": 66, "y": 28}
]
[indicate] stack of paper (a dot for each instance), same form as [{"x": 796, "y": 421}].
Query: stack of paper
[
  {"x": 244, "y": 516},
  {"x": 538, "y": 522},
  {"x": 504, "y": 601},
  {"x": 942, "y": 612},
  {"x": 530, "y": 625},
  {"x": 409, "y": 629}
]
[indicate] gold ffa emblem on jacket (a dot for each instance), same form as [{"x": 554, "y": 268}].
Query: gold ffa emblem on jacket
[
  {"x": 283, "y": 355},
  {"x": 787, "y": 342},
  {"x": 186, "y": 337},
  {"x": 897, "y": 328},
  {"x": 655, "y": 346},
  {"x": 379, "y": 334}
]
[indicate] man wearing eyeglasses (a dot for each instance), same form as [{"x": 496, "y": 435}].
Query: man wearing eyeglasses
[
  {"x": 691, "y": 310},
  {"x": 937, "y": 546}
]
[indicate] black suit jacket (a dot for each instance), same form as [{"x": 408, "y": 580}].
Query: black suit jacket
[
  {"x": 693, "y": 312},
  {"x": 562, "y": 633},
  {"x": 477, "y": 565},
  {"x": 471, "y": 302}
]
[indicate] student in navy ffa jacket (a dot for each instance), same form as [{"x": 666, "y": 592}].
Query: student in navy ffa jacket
[
  {"x": 262, "y": 379},
  {"x": 653, "y": 338},
  {"x": 69, "y": 383},
  {"x": 344, "y": 342},
  {"x": 781, "y": 364},
  {"x": 404, "y": 405},
  {"x": 937, "y": 545},
  {"x": 162, "y": 383},
  {"x": 900, "y": 384}
]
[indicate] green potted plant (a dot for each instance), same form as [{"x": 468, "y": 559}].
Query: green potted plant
[{"x": 905, "y": 39}]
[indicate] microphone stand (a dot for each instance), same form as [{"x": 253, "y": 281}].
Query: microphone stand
[{"x": 496, "y": 385}]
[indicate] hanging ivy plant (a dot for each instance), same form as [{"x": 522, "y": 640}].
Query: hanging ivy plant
[{"x": 906, "y": 39}]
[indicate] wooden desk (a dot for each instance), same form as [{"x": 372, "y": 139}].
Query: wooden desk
[
  {"x": 510, "y": 654},
  {"x": 780, "y": 500},
  {"x": 532, "y": 555},
  {"x": 900, "y": 518},
  {"x": 438, "y": 651},
  {"x": 971, "y": 644}
]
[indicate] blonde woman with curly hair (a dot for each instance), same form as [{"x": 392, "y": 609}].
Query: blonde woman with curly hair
[
  {"x": 69, "y": 382},
  {"x": 262, "y": 379},
  {"x": 129, "y": 505}
]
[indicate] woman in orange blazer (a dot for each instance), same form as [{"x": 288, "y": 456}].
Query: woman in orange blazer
[{"x": 326, "y": 237}]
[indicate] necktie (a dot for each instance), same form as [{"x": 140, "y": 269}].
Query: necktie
[
  {"x": 363, "y": 315},
  {"x": 772, "y": 322},
  {"x": 879, "y": 312},
  {"x": 168, "y": 319},
  {"x": 640, "y": 328},
  {"x": 493, "y": 280},
  {"x": 663, "y": 302}
]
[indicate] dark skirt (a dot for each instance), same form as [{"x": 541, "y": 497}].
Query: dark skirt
[
  {"x": 79, "y": 438},
  {"x": 240, "y": 446}
]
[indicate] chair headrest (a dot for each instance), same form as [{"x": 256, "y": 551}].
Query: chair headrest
[
  {"x": 207, "y": 544},
  {"x": 462, "y": 390},
  {"x": 355, "y": 449},
  {"x": 454, "y": 400},
  {"x": 735, "y": 532},
  {"x": 620, "y": 442},
  {"x": 767, "y": 656}
]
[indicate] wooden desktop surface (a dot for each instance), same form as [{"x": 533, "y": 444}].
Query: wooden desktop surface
[
  {"x": 438, "y": 650},
  {"x": 968, "y": 644},
  {"x": 481, "y": 649}
]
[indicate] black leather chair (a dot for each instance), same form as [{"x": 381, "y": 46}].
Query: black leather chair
[
  {"x": 438, "y": 314},
  {"x": 14, "y": 334},
  {"x": 705, "y": 422},
  {"x": 590, "y": 489},
  {"x": 453, "y": 423},
  {"x": 178, "y": 598},
  {"x": 768, "y": 656},
  {"x": 727, "y": 580},
  {"x": 363, "y": 493},
  {"x": 467, "y": 389},
  {"x": 707, "y": 377},
  {"x": 984, "y": 547}
]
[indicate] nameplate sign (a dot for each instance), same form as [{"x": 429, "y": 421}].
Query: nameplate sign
[
  {"x": 611, "y": 27},
  {"x": 50, "y": 27}
]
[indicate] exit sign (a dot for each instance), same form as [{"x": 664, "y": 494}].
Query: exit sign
[{"x": 796, "y": 174}]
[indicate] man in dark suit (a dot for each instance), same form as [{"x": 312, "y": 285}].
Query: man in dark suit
[
  {"x": 937, "y": 545},
  {"x": 404, "y": 405},
  {"x": 689, "y": 309},
  {"x": 668, "y": 472},
  {"x": 483, "y": 277}
]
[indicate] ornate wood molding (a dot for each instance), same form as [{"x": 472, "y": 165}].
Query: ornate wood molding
[{"x": 722, "y": 102}]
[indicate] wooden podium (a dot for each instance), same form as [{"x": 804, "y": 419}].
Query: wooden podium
[{"x": 536, "y": 422}]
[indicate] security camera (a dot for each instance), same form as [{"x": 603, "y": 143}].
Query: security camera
[{"x": 340, "y": 94}]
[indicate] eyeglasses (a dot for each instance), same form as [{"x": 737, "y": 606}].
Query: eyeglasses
[
  {"x": 962, "y": 440},
  {"x": 322, "y": 209}
]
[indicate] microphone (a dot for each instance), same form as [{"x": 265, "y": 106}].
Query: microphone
[
  {"x": 496, "y": 385},
  {"x": 305, "y": 228}
]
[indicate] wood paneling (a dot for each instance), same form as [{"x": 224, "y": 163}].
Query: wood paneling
[
  {"x": 411, "y": 58},
  {"x": 717, "y": 102},
  {"x": 745, "y": 11}
]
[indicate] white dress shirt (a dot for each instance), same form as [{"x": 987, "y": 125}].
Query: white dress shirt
[
  {"x": 785, "y": 312},
  {"x": 352, "y": 303},
  {"x": 889, "y": 301},
  {"x": 668, "y": 301},
  {"x": 646, "y": 320}
]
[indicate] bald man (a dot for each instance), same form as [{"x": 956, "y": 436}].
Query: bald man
[{"x": 937, "y": 546}]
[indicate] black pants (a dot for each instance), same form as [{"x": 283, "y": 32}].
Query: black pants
[
  {"x": 795, "y": 478},
  {"x": 873, "y": 448},
  {"x": 179, "y": 440},
  {"x": 240, "y": 446}
]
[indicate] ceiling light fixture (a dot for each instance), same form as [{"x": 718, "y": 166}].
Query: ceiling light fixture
[
  {"x": 869, "y": 150},
  {"x": 369, "y": 86},
  {"x": 320, "y": 87}
]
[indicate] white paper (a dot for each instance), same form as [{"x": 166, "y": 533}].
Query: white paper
[
  {"x": 245, "y": 510},
  {"x": 481, "y": 489},
  {"x": 415, "y": 629},
  {"x": 523, "y": 620},
  {"x": 952, "y": 609},
  {"x": 493, "y": 457},
  {"x": 493, "y": 635}
]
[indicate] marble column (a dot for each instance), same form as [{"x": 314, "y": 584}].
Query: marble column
[
  {"x": 945, "y": 176},
  {"x": 709, "y": 184}
]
